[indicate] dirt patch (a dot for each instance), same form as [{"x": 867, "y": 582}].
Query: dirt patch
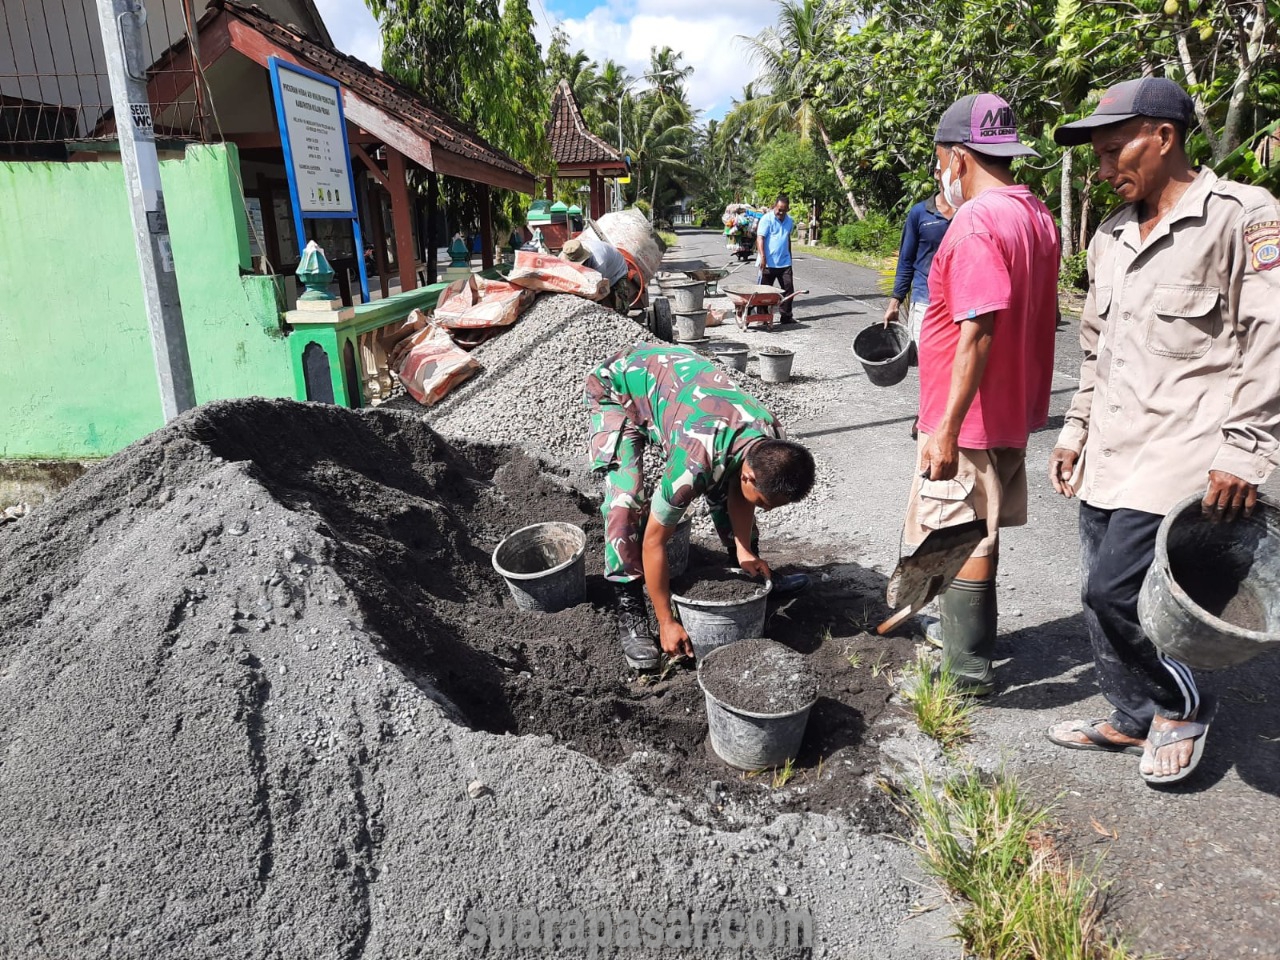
[
  {"x": 713, "y": 584},
  {"x": 760, "y": 676}
]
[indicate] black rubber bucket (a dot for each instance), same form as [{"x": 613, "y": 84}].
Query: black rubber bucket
[{"x": 884, "y": 352}]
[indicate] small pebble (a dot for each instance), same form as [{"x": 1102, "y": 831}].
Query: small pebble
[
  {"x": 477, "y": 789},
  {"x": 782, "y": 889}
]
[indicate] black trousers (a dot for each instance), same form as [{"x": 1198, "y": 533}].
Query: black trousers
[
  {"x": 783, "y": 276},
  {"x": 1116, "y": 549}
]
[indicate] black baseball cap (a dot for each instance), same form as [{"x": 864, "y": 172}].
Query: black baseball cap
[
  {"x": 983, "y": 122},
  {"x": 1155, "y": 97}
]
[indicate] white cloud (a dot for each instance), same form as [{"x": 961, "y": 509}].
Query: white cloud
[
  {"x": 353, "y": 28},
  {"x": 619, "y": 30},
  {"x": 708, "y": 39}
]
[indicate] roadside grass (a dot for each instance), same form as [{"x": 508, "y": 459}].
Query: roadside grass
[
  {"x": 669, "y": 238},
  {"x": 856, "y": 257},
  {"x": 1018, "y": 897},
  {"x": 941, "y": 710}
]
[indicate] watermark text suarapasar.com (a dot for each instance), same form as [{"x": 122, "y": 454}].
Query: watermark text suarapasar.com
[{"x": 593, "y": 931}]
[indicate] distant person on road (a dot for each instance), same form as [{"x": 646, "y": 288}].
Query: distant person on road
[
  {"x": 986, "y": 359},
  {"x": 922, "y": 234},
  {"x": 717, "y": 442},
  {"x": 773, "y": 249},
  {"x": 1178, "y": 396}
]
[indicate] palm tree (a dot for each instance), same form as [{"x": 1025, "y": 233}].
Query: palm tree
[
  {"x": 658, "y": 142},
  {"x": 786, "y": 55},
  {"x": 669, "y": 76}
]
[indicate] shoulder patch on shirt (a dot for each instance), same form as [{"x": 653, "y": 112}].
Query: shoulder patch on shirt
[{"x": 1263, "y": 241}]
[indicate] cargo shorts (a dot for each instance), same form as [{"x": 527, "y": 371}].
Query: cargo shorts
[{"x": 989, "y": 484}]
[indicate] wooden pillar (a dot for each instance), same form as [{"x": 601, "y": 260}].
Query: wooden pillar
[
  {"x": 379, "y": 237},
  {"x": 402, "y": 220},
  {"x": 550, "y": 189},
  {"x": 432, "y": 241},
  {"x": 486, "y": 227}
]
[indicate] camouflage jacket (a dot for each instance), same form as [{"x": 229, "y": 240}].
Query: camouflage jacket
[{"x": 685, "y": 405}]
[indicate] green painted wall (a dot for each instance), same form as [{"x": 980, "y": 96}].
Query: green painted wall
[{"x": 78, "y": 375}]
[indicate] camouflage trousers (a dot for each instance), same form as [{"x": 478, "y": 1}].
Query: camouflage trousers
[{"x": 626, "y": 506}]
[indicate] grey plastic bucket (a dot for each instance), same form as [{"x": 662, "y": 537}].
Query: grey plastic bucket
[
  {"x": 544, "y": 566},
  {"x": 748, "y": 740},
  {"x": 689, "y": 325},
  {"x": 1211, "y": 597},
  {"x": 678, "y": 549},
  {"x": 685, "y": 295},
  {"x": 715, "y": 623},
  {"x": 775, "y": 367},
  {"x": 884, "y": 352},
  {"x": 735, "y": 358}
]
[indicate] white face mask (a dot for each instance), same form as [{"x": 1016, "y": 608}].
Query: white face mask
[{"x": 952, "y": 190}]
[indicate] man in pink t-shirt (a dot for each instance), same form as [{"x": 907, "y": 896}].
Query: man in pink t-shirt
[{"x": 986, "y": 359}]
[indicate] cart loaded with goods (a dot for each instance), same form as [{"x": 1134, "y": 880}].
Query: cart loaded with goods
[{"x": 740, "y": 223}]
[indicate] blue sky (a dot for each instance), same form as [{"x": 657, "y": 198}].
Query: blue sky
[{"x": 623, "y": 31}]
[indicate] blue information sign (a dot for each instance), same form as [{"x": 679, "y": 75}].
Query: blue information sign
[{"x": 317, "y": 157}]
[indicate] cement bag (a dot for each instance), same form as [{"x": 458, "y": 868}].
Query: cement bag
[
  {"x": 477, "y": 303},
  {"x": 432, "y": 365},
  {"x": 719, "y": 311},
  {"x": 538, "y": 271},
  {"x": 630, "y": 231}
]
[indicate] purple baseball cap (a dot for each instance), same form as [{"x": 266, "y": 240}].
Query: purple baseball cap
[{"x": 984, "y": 123}]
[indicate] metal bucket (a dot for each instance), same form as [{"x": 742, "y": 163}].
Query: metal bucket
[
  {"x": 1211, "y": 597},
  {"x": 775, "y": 367},
  {"x": 749, "y": 740},
  {"x": 884, "y": 352},
  {"x": 685, "y": 295},
  {"x": 715, "y": 623},
  {"x": 689, "y": 326},
  {"x": 544, "y": 566}
]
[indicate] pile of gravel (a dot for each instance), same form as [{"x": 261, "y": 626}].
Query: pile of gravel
[
  {"x": 257, "y": 689},
  {"x": 530, "y": 390}
]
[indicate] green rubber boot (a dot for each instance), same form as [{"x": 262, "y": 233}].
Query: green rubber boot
[{"x": 968, "y": 621}]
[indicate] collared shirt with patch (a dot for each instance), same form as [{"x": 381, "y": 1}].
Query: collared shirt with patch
[
  {"x": 1181, "y": 340},
  {"x": 686, "y": 406}
]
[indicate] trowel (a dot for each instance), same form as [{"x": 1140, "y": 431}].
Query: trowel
[{"x": 929, "y": 569}]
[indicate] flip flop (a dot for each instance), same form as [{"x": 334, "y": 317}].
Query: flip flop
[
  {"x": 1096, "y": 740},
  {"x": 1193, "y": 729}
]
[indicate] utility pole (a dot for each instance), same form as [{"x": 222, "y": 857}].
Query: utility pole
[{"x": 121, "y": 22}]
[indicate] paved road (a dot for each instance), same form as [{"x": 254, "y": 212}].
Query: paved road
[{"x": 1196, "y": 870}]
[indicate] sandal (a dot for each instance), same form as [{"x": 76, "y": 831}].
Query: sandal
[
  {"x": 1096, "y": 739},
  {"x": 1189, "y": 730}
]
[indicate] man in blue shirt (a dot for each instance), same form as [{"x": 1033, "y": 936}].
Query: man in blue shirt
[
  {"x": 773, "y": 246},
  {"x": 926, "y": 225}
]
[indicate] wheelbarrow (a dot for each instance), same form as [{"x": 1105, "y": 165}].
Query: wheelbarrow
[
  {"x": 754, "y": 304},
  {"x": 713, "y": 275}
]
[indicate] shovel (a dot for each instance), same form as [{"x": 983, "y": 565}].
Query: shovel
[{"x": 929, "y": 570}]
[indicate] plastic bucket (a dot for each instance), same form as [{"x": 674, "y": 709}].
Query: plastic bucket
[
  {"x": 734, "y": 357},
  {"x": 685, "y": 295},
  {"x": 544, "y": 566},
  {"x": 689, "y": 325},
  {"x": 884, "y": 352},
  {"x": 1211, "y": 597},
  {"x": 775, "y": 367},
  {"x": 751, "y": 740},
  {"x": 715, "y": 623}
]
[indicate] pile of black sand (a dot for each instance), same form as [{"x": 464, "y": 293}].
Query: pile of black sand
[{"x": 256, "y": 680}]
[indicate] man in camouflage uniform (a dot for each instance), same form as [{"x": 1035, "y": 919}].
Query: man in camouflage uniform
[{"x": 717, "y": 442}]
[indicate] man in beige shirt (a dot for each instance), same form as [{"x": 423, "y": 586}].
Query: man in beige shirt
[{"x": 1178, "y": 396}]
